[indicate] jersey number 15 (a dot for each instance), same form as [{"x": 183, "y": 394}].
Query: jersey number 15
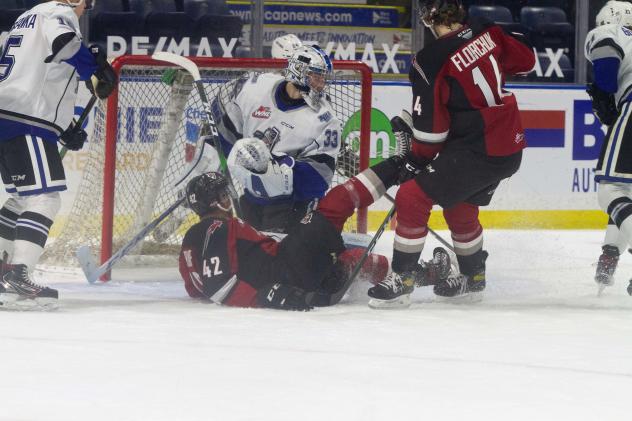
[{"x": 7, "y": 60}]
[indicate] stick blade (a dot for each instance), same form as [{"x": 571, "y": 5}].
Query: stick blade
[
  {"x": 88, "y": 264},
  {"x": 181, "y": 61}
]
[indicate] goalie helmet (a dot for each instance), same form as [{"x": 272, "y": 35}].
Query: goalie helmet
[
  {"x": 615, "y": 12},
  {"x": 441, "y": 12},
  {"x": 309, "y": 69},
  {"x": 284, "y": 46},
  {"x": 206, "y": 192}
]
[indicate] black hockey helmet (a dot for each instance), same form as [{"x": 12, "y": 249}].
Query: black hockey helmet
[
  {"x": 206, "y": 192},
  {"x": 441, "y": 12}
]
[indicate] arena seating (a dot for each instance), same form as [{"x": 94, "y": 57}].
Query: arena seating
[
  {"x": 548, "y": 27},
  {"x": 165, "y": 18}
]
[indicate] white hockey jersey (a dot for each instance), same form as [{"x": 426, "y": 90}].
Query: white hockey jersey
[
  {"x": 254, "y": 106},
  {"x": 39, "y": 74},
  {"x": 613, "y": 41}
]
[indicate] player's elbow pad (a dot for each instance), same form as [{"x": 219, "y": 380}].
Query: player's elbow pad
[{"x": 64, "y": 47}]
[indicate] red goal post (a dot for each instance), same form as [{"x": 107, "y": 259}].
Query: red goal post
[{"x": 151, "y": 117}]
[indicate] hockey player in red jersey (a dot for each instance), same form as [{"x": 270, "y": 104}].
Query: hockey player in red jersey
[
  {"x": 227, "y": 261},
  {"x": 468, "y": 135}
]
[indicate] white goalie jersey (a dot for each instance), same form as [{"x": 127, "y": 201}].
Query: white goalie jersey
[
  {"x": 257, "y": 106},
  {"x": 613, "y": 42}
]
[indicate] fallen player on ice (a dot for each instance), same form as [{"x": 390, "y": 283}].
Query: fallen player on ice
[{"x": 225, "y": 260}]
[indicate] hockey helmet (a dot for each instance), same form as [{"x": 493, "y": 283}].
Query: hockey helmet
[
  {"x": 284, "y": 46},
  {"x": 76, "y": 3},
  {"x": 433, "y": 12},
  {"x": 206, "y": 192},
  {"x": 309, "y": 69},
  {"x": 615, "y": 12}
]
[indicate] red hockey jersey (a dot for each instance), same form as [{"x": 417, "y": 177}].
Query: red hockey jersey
[
  {"x": 458, "y": 95},
  {"x": 211, "y": 260}
]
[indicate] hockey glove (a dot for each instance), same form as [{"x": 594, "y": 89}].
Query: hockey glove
[
  {"x": 284, "y": 297},
  {"x": 410, "y": 168},
  {"x": 73, "y": 138},
  {"x": 252, "y": 154},
  {"x": 603, "y": 105},
  {"x": 403, "y": 130},
  {"x": 104, "y": 81},
  {"x": 277, "y": 181}
]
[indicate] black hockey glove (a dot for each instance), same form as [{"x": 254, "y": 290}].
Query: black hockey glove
[
  {"x": 106, "y": 79},
  {"x": 603, "y": 105},
  {"x": 284, "y": 297},
  {"x": 410, "y": 168},
  {"x": 73, "y": 138}
]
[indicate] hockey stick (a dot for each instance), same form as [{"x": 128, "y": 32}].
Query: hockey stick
[
  {"x": 82, "y": 118},
  {"x": 89, "y": 265},
  {"x": 210, "y": 126},
  {"x": 337, "y": 296},
  {"x": 430, "y": 230}
]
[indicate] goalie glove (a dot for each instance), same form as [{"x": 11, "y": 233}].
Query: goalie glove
[
  {"x": 250, "y": 153},
  {"x": 403, "y": 130},
  {"x": 276, "y": 183},
  {"x": 603, "y": 105}
]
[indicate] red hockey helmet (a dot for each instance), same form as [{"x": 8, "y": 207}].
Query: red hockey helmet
[{"x": 207, "y": 192}]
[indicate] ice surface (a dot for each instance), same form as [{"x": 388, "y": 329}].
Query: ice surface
[{"x": 541, "y": 346}]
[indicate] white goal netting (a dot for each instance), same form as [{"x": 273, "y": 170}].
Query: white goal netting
[{"x": 155, "y": 127}]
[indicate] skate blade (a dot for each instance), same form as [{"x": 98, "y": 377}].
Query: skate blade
[
  {"x": 467, "y": 298},
  {"x": 402, "y": 302},
  {"x": 14, "y": 302}
]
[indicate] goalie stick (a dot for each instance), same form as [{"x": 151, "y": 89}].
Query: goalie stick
[
  {"x": 89, "y": 265},
  {"x": 209, "y": 123}
]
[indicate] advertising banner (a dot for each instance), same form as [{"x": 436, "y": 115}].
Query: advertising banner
[
  {"x": 554, "y": 188},
  {"x": 319, "y": 14}
]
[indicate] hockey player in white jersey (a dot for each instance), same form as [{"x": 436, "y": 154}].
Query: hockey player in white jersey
[
  {"x": 42, "y": 61},
  {"x": 289, "y": 116},
  {"x": 609, "y": 49}
]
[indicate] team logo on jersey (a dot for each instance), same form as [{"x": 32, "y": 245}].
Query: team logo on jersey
[
  {"x": 213, "y": 227},
  {"x": 519, "y": 137},
  {"x": 307, "y": 219},
  {"x": 325, "y": 117},
  {"x": 262, "y": 112}
]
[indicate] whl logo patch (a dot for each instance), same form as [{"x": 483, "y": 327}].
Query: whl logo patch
[{"x": 262, "y": 112}]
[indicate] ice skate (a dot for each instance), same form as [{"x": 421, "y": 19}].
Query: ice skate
[
  {"x": 465, "y": 287},
  {"x": 606, "y": 266},
  {"x": 19, "y": 292},
  {"x": 395, "y": 290},
  {"x": 461, "y": 288}
]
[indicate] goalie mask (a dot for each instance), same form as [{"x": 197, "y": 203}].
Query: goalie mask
[
  {"x": 615, "y": 12},
  {"x": 207, "y": 192},
  {"x": 284, "y": 46},
  {"x": 309, "y": 69}
]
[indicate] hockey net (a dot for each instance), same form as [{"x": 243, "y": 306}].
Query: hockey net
[{"x": 146, "y": 132}]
